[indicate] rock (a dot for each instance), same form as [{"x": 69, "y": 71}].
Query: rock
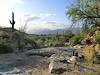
[
  {"x": 39, "y": 53},
  {"x": 57, "y": 67},
  {"x": 28, "y": 72},
  {"x": 78, "y": 46},
  {"x": 58, "y": 63},
  {"x": 4, "y": 34},
  {"x": 66, "y": 44},
  {"x": 15, "y": 71},
  {"x": 28, "y": 46}
]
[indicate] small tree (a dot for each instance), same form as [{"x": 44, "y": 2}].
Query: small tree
[{"x": 87, "y": 12}]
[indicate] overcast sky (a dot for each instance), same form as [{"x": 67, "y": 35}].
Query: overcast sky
[{"x": 39, "y": 14}]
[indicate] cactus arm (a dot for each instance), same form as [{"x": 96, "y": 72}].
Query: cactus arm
[{"x": 10, "y": 21}]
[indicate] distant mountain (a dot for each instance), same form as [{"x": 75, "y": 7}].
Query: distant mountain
[{"x": 59, "y": 31}]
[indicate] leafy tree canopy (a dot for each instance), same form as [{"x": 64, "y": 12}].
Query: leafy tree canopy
[{"x": 85, "y": 11}]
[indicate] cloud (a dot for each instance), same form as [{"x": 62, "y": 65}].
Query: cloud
[
  {"x": 55, "y": 25},
  {"x": 15, "y": 1},
  {"x": 51, "y": 22},
  {"x": 46, "y": 15},
  {"x": 32, "y": 18},
  {"x": 29, "y": 18},
  {"x": 51, "y": 25},
  {"x": 25, "y": 20},
  {"x": 42, "y": 15},
  {"x": 4, "y": 15},
  {"x": 18, "y": 1}
]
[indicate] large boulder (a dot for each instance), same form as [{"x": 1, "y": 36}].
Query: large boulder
[
  {"x": 58, "y": 63},
  {"x": 57, "y": 67}
]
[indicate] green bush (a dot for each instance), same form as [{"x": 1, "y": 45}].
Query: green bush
[
  {"x": 97, "y": 59},
  {"x": 90, "y": 73},
  {"x": 97, "y": 37},
  {"x": 5, "y": 48},
  {"x": 75, "y": 40}
]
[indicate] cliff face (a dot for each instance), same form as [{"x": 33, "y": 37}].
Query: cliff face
[{"x": 15, "y": 41}]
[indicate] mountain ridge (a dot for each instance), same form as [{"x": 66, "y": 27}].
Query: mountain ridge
[{"x": 56, "y": 31}]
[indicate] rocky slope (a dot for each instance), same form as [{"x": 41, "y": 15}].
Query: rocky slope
[{"x": 15, "y": 41}]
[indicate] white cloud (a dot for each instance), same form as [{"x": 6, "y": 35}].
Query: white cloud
[
  {"x": 52, "y": 25},
  {"x": 34, "y": 18},
  {"x": 31, "y": 17},
  {"x": 14, "y": 1},
  {"x": 46, "y": 15},
  {"x": 25, "y": 20},
  {"x": 39, "y": 16},
  {"x": 17, "y": 1},
  {"x": 4, "y": 15}
]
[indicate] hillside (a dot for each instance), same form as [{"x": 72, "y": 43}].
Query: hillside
[{"x": 15, "y": 41}]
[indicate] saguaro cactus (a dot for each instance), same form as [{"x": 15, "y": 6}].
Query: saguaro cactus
[{"x": 12, "y": 22}]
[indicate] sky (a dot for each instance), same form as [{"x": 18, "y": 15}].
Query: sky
[{"x": 35, "y": 14}]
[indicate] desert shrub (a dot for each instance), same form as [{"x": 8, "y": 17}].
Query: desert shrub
[
  {"x": 97, "y": 59},
  {"x": 75, "y": 40},
  {"x": 36, "y": 37},
  {"x": 97, "y": 37},
  {"x": 90, "y": 73},
  {"x": 40, "y": 43},
  {"x": 97, "y": 48},
  {"x": 5, "y": 48},
  {"x": 67, "y": 38},
  {"x": 32, "y": 42},
  {"x": 89, "y": 54}
]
